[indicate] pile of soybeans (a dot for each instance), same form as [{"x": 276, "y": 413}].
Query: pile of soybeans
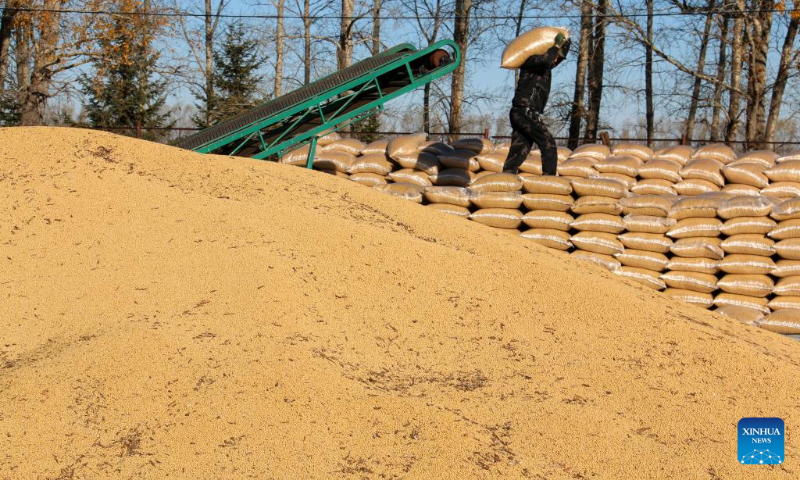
[{"x": 703, "y": 226}]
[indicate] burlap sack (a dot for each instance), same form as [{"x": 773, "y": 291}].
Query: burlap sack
[
  {"x": 422, "y": 161},
  {"x": 651, "y": 242},
  {"x": 647, "y": 278},
  {"x": 740, "y": 190},
  {"x": 548, "y": 219},
  {"x": 591, "y": 150},
  {"x": 695, "y": 227},
  {"x": 743, "y": 206},
  {"x": 578, "y": 167},
  {"x": 641, "y": 152},
  {"x": 533, "y": 42},
  {"x": 788, "y": 249},
  {"x": 333, "y": 172},
  {"x": 694, "y": 187},
  {"x": 785, "y": 230},
  {"x": 791, "y": 156},
  {"x": 502, "y": 147},
  {"x": 745, "y": 225},
  {"x": 480, "y": 174},
  {"x": 703, "y": 206},
  {"x": 622, "y": 164},
  {"x": 733, "y": 300},
  {"x": 404, "y": 145},
  {"x": 696, "y": 282},
  {"x": 704, "y": 300},
  {"x": 746, "y": 264},
  {"x": 452, "y": 177},
  {"x": 767, "y": 158},
  {"x": 298, "y": 156},
  {"x": 788, "y": 286},
  {"x": 718, "y": 152},
  {"x": 786, "y": 322},
  {"x": 786, "y": 210},
  {"x": 549, "y": 238},
  {"x": 435, "y": 147},
  {"x": 476, "y": 145},
  {"x": 449, "y": 209},
  {"x": 496, "y": 199},
  {"x": 653, "y": 187},
  {"x": 605, "y": 261},
  {"x": 406, "y": 191},
  {"x": 782, "y": 190},
  {"x": 786, "y": 268},
  {"x": 328, "y": 137},
  {"x": 378, "y": 146},
  {"x": 595, "y": 204},
  {"x": 680, "y": 154},
  {"x": 464, "y": 159},
  {"x": 751, "y": 285},
  {"x": 788, "y": 171},
  {"x": 407, "y": 175},
  {"x": 339, "y": 161},
  {"x": 497, "y": 182},
  {"x": 648, "y": 224},
  {"x": 492, "y": 162},
  {"x": 699, "y": 265},
  {"x": 346, "y": 145},
  {"x": 700, "y": 247},
  {"x": 746, "y": 315},
  {"x": 627, "y": 181},
  {"x": 562, "y": 153},
  {"x": 458, "y": 196},
  {"x": 597, "y": 242},
  {"x": 498, "y": 217},
  {"x": 377, "y": 163},
  {"x": 749, "y": 244},
  {"x": 556, "y": 203},
  {"x": 746, "y": 173},
  {"x": 652, "y": 205},
  {"x": 598, "y": 222},
  {"x": 784, "y": 303},
  {"x": 656, "y": 262},
  {"x": 704, "y": 169},
  {"x": 546, "y": 185},
  {"x": 598, "y": 187},
  {"x": 532, "y": 165},
  {"x": 369, "y": 179},
  {"x": 661, "y": 170}
]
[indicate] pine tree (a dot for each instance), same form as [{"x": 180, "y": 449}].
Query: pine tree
[
  {"x": 123, "y": 91},
  {"x": 235, "y": 75},
  {"x": 367, "y": 128}
]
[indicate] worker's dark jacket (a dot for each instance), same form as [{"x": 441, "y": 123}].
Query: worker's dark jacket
[{"x": 533, "y": 87}]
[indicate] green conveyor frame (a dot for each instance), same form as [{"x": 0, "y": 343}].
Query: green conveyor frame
[{"x": 326, "y": 105}]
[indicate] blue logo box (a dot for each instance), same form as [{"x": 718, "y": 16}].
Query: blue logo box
[{"x": 761, "y": 441}]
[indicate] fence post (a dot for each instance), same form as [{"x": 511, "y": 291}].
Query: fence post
[
  {"x": 486, "y": 133},
  {"x": 605, "y": 138},
  {"x": 138, "y": 129},
  {"x": 684, "y": 139}
]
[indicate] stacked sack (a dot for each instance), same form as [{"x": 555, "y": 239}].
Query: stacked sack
[
  {"x": 497, "y": 197},
  {"x": 548, "y": 201},
  {"x": 597, "y": 221}
]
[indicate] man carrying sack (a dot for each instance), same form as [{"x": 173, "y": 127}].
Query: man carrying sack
[{"x": 527, "y": 108}]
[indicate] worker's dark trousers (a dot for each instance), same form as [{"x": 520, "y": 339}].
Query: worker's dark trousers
[{"x": 529, "y": 128}]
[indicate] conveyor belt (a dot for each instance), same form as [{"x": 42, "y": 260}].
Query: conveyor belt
[{"x": 284, "y": 102}]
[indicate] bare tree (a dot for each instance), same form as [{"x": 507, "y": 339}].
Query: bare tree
[
  {"x": 731, "y": 130},
  {"x": 279, "y": 38},
  {"x": 595, "y": 74},
  {"x": 578, "y": 109},
  {"x": 345, "y": 47},
  {"x": 716, "y": 116},
  {"x": 759, "y": 36},
  {"x": 6, "y": 26},
  {"x": 648, "y": 75},
  {"x": 701, "y": 61},
  {"x": 789, "y": 56},
  {"x": 376, "y": 27},
  {"x": 461, "y": 37}
]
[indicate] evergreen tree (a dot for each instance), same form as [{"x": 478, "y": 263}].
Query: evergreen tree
[
  {"x": 235, "y": 76},
  {"x": 123, "y": 91},
  {"x": 367, "y": 128}
]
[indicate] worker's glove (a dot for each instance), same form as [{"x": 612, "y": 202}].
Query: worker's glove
[
  {"x": 564, "y": 48},
  {"x": 560, "y": 39}
]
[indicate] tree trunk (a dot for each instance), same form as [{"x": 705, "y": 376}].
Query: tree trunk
[
  {"x": 781, "y": 80},
  {"x": 306, "y": 42},
  {"x": 648, "y": 75},
  {"x": 22, "y": 55},
  {"x": 345, "y": 50},
  {"x": 6, "y": 23},
  {"x": 376, "y": 27},
  {"x": 37, "y": 93},
  {"x": 278, "y": 90},
  {"x": 461, "y": 37},
  {"x": 522, "y": 5},
  {"x": 701, "y": 63},
  {"x": 431, "y": 38},
  {"x": 761, "y": 28},
  {"x": 732, "y": 129},
  {"x": 716, "y": 115},
  {"x": 577, "y": 111},
  {"x": 209, "y": 63},
  {"x": 595, "y": 80}
]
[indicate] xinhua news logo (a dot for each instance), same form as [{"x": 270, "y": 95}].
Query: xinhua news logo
[{"x": 761, "y": 441}]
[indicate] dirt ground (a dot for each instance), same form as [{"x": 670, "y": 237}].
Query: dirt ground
[{"x": 169, "y": 314}]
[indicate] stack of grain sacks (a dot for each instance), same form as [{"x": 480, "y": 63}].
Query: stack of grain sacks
[
  {"x": 597, "y": 222},
  {"x": 548, "y": 201},
  {"x": 497, "y": 197},
  {"x": 373, "y": 166}
]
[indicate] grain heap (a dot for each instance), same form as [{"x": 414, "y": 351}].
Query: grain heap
[{"x": 701, "y": 226}]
